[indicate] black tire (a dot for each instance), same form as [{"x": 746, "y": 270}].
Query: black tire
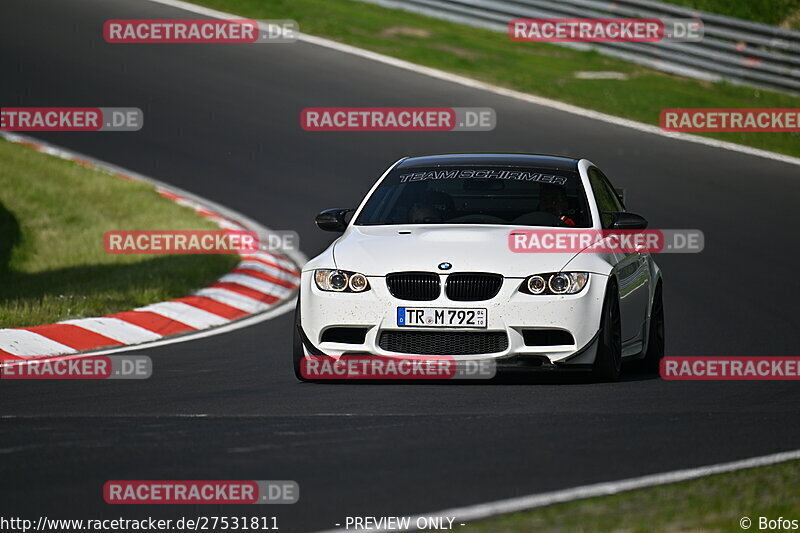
[
  {"x": 655, "y": 336},
  {"x": 608, "y": 362},
  {"x": 297, "y": 345}
]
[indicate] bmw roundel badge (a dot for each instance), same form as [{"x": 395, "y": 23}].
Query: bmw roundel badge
[{"x": 445, "y": 266}]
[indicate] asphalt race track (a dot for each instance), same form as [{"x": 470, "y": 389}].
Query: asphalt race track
[{"x": 222, "y": 121}]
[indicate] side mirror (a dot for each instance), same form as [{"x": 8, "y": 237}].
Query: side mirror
[
  {"x": 626, "y": 220},
  {"x": 620, "y": 191},
  {"x": 333, "y": 219}
]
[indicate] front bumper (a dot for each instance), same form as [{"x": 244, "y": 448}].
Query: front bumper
[{"x": 510, "y": 311}]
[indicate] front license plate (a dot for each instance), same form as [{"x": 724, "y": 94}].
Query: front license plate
[{"x": 441, "y": 317}]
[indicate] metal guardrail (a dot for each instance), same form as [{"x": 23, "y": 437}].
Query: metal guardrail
[{"x": 734, "y": 50}]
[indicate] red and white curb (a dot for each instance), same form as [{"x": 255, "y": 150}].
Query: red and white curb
[{"x": 260, "y": 283}]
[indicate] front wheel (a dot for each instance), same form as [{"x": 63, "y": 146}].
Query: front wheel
[
  {"x": 655, "y": 336},
  {"x": 608, "y": 362}
]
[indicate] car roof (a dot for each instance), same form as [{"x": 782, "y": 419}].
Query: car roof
[{"x": 549, "y": 162}]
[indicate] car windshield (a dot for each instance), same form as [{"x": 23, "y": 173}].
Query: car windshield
[{"x": 478, "y": 195}]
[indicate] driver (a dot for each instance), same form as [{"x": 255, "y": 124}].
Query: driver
[
  {"x": 553, "y": 200},
  {"x": 423, "y": 214}
]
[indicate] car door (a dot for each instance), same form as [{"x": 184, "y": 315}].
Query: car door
[{"x": 631, "y": 269}]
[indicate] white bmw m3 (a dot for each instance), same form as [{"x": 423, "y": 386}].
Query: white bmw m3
[{"x": 424, "y": 267}]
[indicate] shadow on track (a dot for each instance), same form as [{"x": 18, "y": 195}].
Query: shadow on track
[
  {"x": 631, "y": 373},
  {"x": 10, "y": 235}
]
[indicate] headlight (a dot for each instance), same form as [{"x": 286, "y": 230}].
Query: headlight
[
  {"x": 536, "y": 284},
  {"x": 340, "y": 281},
  {"x": 358, "y": 282},
  {"x": 555, "y": 283}
]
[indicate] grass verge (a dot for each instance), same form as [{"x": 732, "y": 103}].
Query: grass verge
[
  {"x": 53, "y": 214},
  {"x": 535, "y": 68},
  {"x": 715, "y": 503},
  {"x": 784, "y": 13}
]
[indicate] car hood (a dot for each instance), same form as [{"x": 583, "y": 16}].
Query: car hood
[{"x": 379, "y": 250}]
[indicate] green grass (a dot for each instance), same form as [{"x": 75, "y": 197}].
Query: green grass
[
  {"x": 715, "y": 503},
  {"x": 536, "y": 68},
  {"x": 785, "y": 13},
  {"x": 53, "y": 214}
]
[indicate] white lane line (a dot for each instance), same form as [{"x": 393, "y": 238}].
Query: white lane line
[
  {"x": 475, "y": 84},
  {"x": 533, "y": 501},
  {"x": 116, "y": 329},
  {"x": 181, "y": 415},
  {"x": 257, "y": 284},
  {"x": 189, "y": 315},
  {"x": 22, "y": 342},
  {"x": 233, "y": 299}
]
